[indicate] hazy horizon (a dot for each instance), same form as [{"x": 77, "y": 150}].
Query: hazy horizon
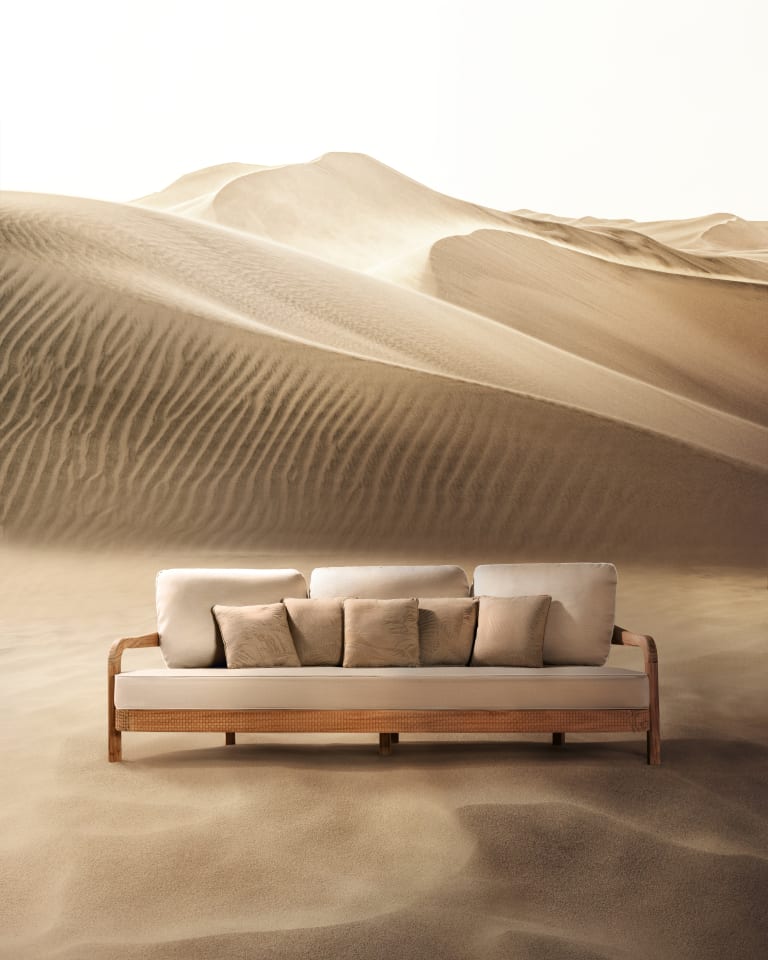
[{"x": 593, "y": 109}]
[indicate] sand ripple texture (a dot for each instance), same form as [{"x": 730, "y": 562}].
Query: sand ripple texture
[{"x": 331, "y": 356}]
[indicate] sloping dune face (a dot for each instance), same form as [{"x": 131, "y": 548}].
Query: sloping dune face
[
  {"x": 696, "y": 337},
  {"x": 444, "y": 378}
]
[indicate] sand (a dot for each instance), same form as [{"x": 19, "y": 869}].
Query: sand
[
  {"x": 331, "y": 363},
  {"x": 304, "y": 846}
]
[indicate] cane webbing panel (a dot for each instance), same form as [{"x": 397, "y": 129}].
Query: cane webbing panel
[{"x": 374, "y": 721}]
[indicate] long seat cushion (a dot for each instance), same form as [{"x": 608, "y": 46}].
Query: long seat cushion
[
  {"x": 188, "y": 636},
  {"x": 391, "y": 688},
  {"x": 389, "y": 582},
  {"x": 581, "y": 615}
]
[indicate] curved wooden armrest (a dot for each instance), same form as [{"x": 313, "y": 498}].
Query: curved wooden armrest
[
  {"x": 116, "y": 650},
  {"x": 648, "y": 646},
  {"x": 114, "y": 661},
  {"x": 628, "y": 639}
]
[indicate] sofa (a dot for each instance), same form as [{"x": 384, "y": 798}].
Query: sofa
[{"x": 521, "y": 648}]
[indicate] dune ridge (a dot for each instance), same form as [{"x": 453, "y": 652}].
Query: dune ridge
[{"x": 358, "y": 212}]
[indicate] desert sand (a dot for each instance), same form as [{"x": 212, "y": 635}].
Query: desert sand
[{"x": 330, "y": 363}]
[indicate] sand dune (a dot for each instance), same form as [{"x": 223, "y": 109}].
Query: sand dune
[
  {"x": 166, "y": 375},
  {"x": 347, "y": 208},
  {"x": 359, "y": 213},
  {"x": 661, "y": 329},
  {"x": 724, "y": 232},
  {"x": 738, "y": 237}
]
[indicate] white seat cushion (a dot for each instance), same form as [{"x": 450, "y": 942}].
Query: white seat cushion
[
  {"x": 581, "y": 616},
  {"x": 383, "y": 688},
  {"x": 389, "y": 582},
  {"x": 185, "y": 597}
]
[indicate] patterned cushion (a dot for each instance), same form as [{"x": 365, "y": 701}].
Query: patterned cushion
[
  {"x": 446, "y": 630},
  {"x": 381, "y": 633},
  {"x": 256, "y": 636}
]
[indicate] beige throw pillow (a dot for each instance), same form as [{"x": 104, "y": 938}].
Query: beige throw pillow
[
  {"x": 446, "y": 630},
  {"x": 510, "y": 631},
  {"x": 317, "y": 629},
  {"x": 256, "y": 636},
  {"x": 381, "y": 633}
]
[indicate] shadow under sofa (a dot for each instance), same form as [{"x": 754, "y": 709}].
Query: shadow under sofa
[{"x": 573, "y": 692}]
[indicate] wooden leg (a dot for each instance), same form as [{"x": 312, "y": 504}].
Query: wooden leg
[
  {"x": 558, "y": 739},
  {"x": 114, "y": 737},
  {"x": 230, "y": 737},
  {"x": 395, "y": 737},
  {"x": 654, "y": 727},
  {"x": 115, "y": 745},
  {"x": 385, "y": 744},
  {"x": 653, "y": 746}
]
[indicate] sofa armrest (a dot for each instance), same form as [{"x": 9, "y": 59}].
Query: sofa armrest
[
  {"x": 114, "y": 662},
  {"x": 648, "y": 646},
  {"x": 116, "y": 650}
]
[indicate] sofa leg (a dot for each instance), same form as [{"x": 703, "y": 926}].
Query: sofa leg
[
  {"x": 395, "y": 737},
  {"x": 385, "y": 744},
  {"x": 653, "y": 745},
  {"x": 115, "y": 744},
  {"x": 230, "y": 739},
  {"x": 558, "y": 739}
]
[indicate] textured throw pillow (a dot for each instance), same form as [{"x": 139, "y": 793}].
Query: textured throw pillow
[
  {"x": 317, "y": 629},
  {"x": 446, "y": 630},
  {"x": 256, "y": 636},
  {"x": 381, "y": 633},
  {"x": 510, "y": 631}
]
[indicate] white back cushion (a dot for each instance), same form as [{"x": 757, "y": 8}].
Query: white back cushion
[
  {"x": 389, "y": 582},
  {"x": 185, "y": 597},
  {"x": 581, "y": 617}
]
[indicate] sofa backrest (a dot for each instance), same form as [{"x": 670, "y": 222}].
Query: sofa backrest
[
  {"x": 581, "y": 617},
  {"x": 184, "y": 599},
  {"x": 389, "y": 582}
]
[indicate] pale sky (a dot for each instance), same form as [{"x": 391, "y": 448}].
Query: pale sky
[{"x": 609, "y": 108}]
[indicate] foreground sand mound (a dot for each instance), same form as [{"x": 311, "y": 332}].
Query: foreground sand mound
[{"x": 169, "y": 380}]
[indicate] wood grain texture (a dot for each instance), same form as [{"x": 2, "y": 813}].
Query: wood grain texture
[
  {"x": 650, "y": 655},
  {"x": 114, "y": 663}
]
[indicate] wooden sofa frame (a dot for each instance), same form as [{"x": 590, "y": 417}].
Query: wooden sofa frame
[{"x": 385, "y": 722}]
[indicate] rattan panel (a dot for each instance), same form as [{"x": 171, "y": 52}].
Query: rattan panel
[{"x": 375, "y": 721}]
